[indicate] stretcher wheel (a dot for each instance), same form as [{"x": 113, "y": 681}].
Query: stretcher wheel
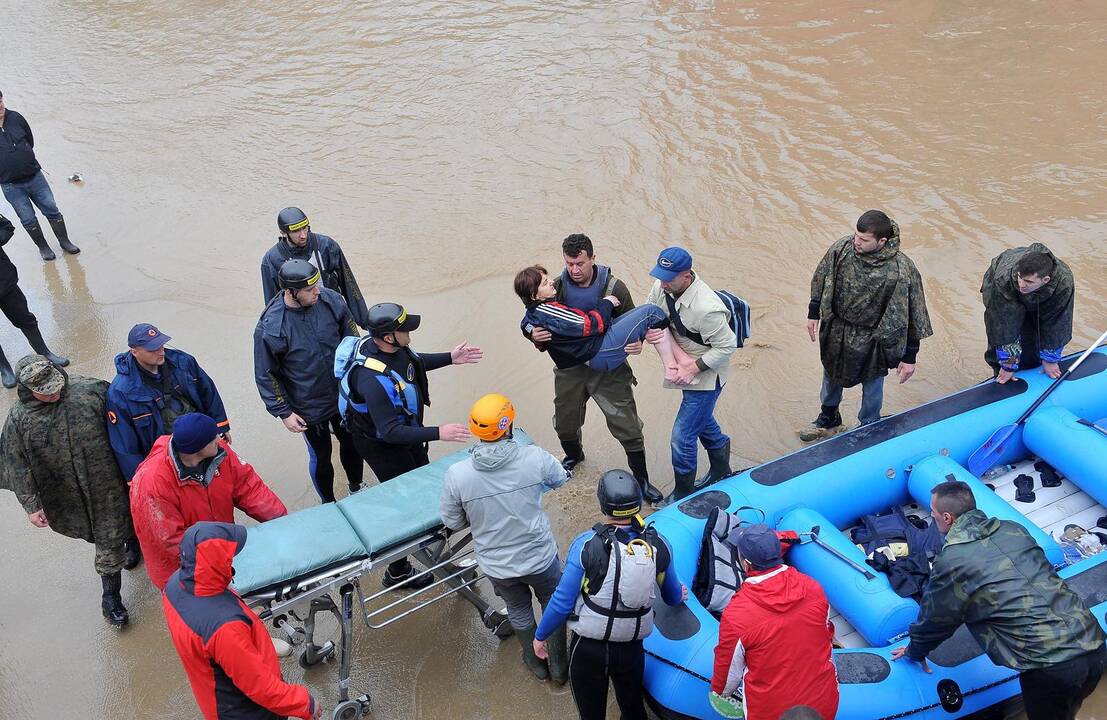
[{"x": 351, "y": 709}]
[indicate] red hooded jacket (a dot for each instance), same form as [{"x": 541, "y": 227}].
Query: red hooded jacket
[
  {"x": 224, "y": 647},
  {"x": 163, "y": 505},
  {"x": 775, "y": 642}
]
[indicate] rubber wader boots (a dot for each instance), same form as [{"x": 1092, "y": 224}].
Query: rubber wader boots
[
  {"x": 720, "y": 466},
  {"x": 112, "y": 603},
  {"x": 35, "y": 231},
  {"x": 825, "y": 425},
  {"x": 684, "y": 484},
  {"x": 34, "y": 338},
  {"x": 133, "y": 554},
  {"x": 574, "y": 455},
  {"x": 558, "y": 648},
  {"x": 58, "y": 226},
  {"x": 637, "y": 462},
  {"x": 537, "y": 665},
  {"x": 7, "y": 375}
]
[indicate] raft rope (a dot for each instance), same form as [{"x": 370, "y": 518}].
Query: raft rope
[{"x": 670, "y": 663}]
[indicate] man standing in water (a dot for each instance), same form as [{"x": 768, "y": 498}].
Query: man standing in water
[
  {"x": 868, "y": 313},
  {"x": 56, "y": 458},
  {"x": 1028, "y": 301},
  {"x": 297, "y": 241},
  {"x": 25, "y": 186},
  {"x": 294, "y": 344},
  {"x": 582, "y": 285}
]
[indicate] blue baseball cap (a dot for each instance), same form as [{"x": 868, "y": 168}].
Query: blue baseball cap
[
  {"x": 758, "y": 545},
  {"x": 147, "y": 337},
  {"x": 671, "y": 262}
]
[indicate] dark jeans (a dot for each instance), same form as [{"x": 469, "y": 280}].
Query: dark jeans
[
  {"x": 387, "y": 461},
  {"x": 25, "y": 194},
  {"x": 318, "y": 439},
  {"x": 872, "y": 397},
  {"x": 516, "y": 593},
  {"x": 695, "y": 420},
  {"x": 1056, "y": 692},
  {"x": 592, "y": 663},
  {"x": 629, "y": 327}
]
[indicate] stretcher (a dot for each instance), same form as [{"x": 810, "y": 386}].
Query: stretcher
[{"x": 312, "y": 561}]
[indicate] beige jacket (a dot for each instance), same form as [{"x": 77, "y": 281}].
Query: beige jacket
[{"x": 702, "y": 312}]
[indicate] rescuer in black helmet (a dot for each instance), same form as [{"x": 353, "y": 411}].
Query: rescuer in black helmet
[
  {"x": 606, "y": 594},
  {"x": 297, "y": 241},
  {"x": 294, "y": 345}
]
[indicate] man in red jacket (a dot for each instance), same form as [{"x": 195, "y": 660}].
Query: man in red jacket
[
  {"x": 191, "y": 476},
  {"x": 774, "y": 638},
  {"x": 223, "y": 645}
]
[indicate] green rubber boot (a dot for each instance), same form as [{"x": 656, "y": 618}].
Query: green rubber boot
[
  {"x": 558, "y": 649},
  {"x": 536, "y": 665}
]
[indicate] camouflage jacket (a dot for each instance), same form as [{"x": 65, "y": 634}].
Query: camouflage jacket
[
  {"x": 993, "y": 577},
  {"x": 1005, "y": 308},
  {"x": 871, "y": 308},
  {"x": 56, "y": 457}
]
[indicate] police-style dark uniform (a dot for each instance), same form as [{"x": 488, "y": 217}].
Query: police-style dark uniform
[{"x": 323, "y": 252}]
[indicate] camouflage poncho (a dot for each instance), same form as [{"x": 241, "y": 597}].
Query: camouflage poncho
[
  {"x": 870, "y": 307},
  {"x": 1005, "y": 308},
  {"x": 993, "y": 577},
  {"x": 56, "y": 457}
]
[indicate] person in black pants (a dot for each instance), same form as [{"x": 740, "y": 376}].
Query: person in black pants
[
  {"x": 385, "y": 389},
  {"x": 13, "y": 303},
  {"x": 294, "y": 346}
]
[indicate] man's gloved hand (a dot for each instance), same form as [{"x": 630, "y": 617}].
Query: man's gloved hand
[{"x": 728, "y": 707}]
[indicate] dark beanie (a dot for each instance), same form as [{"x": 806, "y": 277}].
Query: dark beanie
[{"x": 192, "y": 432}]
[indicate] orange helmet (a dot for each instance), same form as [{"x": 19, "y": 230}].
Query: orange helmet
[{"x": 491, "y": 416}]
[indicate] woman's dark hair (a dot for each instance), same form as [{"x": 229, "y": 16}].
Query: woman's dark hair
[
  {"x": 575, "y": 245},
  {"x": 527, "y": 281},
  {"x": 1035, "y": 263},
  {"x": 875, "y": 222}
]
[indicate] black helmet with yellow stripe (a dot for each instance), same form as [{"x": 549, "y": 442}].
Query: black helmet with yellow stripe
[
  {"x": 619, "y": 494},
  {"x": 297, "y": 275},
  {"x": 291, "y": 219}
]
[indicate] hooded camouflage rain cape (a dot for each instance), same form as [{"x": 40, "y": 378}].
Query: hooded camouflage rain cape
[
  {"x": 869, "y": 306},
  {"x": 56, "y": 457},
  {"x": 1006, "y": 309},
  {"x": 993, "y": 577}
]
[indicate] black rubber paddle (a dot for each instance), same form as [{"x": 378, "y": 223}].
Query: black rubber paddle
[{"x": 991, "y": 452}]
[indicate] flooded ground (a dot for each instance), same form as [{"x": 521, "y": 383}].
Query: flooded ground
[{"x": 446, "y": 145}]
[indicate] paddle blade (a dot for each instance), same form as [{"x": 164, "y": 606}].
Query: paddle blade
[{"x": 991, "y": 452}]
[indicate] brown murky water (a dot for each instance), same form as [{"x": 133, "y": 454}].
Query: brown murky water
[{"x": 446, "y": 145}]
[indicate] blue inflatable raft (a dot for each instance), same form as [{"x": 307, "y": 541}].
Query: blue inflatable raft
[{"x": 896, "y": 462}]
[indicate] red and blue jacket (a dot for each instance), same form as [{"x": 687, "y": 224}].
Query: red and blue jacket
[
  {"x": 577, "y": 334},
  {"x": 225, "y": 648}
]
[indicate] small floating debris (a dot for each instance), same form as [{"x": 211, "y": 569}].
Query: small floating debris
[{"x": 76, "y": 178}]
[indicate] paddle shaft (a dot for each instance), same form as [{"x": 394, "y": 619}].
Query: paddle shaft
[
  {"x": 1060, "y": 380},
  {"x": 814, "y": 537}
]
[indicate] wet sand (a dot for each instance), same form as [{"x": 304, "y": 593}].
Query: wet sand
[{"x": 445, "y": 146}]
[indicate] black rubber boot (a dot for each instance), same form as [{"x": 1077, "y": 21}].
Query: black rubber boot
[
  {"x": 824, "y": 425},
  {"x": 637, "y": 462},
  {"x": 133, "y": 553},
  {"x": 1024, "y": 489},
  {"x": 574, "y": 455},
  {"x": 535, "y": 664},
  {"x": 403, "y": 570},
  {"x": 720, "y": 466},
  {"x": 34, "y": 338},
  {"x": 35, "y": 231},
  {"x": 58, "y": 226},
  {"x": 684, "y": 484},
  {"x": 7, "y": 375},
  {"x": 112, "y": 603},
  {"x": 558, "y": 662}
]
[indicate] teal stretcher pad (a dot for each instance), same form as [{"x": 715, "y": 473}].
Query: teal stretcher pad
[{"x": 357, "y": 527}]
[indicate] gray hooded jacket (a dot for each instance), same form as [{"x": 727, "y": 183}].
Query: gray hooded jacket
[{"x": 497, "y": 492}]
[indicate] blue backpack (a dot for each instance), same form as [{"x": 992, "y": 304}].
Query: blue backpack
[{"x": 739, "y": 311}]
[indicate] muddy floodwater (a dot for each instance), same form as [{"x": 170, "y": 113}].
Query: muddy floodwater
[{"x": 446, "y": 145}]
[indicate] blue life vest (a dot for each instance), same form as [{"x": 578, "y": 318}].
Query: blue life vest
[
  {"x": 585, "y": 298},
  {"x": 403, "y": 395}
]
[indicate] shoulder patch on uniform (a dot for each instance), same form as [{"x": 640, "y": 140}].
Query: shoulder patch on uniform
[{"x": 112, "y": 418}]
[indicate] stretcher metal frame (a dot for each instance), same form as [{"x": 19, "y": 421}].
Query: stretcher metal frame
[{"x": 291, "y": 606}]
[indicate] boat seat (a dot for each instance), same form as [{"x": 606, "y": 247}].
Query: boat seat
[
  {"x": 1077, "y": 451},
  {"x": 939, "y": 468},
  {"x": 870, "y": 605}
]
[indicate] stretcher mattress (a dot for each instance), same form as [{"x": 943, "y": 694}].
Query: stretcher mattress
[{"x": 357, "y": 527}]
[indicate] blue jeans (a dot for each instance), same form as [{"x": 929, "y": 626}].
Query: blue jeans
[
  {"x": 35, "y": 190},
  {"x": 872, "y": 397},
  {"x": 629, "y": 327},
  {"x": 696, "y": 420}
]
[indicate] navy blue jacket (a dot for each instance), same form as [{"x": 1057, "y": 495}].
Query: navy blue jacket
[
  {"x": 134, "y": 420},
  {"x": 327, "y": 257},
  {"x": 294, "y": 356}
]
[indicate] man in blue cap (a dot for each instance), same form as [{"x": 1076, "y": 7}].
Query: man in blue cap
[
  {"x": 153, "y": 386},
  {"x": 701, "y": 324}
]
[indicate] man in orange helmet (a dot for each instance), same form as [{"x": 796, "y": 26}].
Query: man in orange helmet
[{"x": 497, "y": 491}]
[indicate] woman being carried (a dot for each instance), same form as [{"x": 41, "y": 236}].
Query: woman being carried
[{"x": 591, "y": 336}]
